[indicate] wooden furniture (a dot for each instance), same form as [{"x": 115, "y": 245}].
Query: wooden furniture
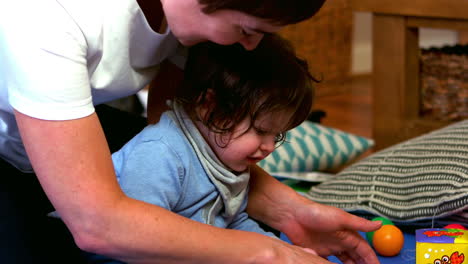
[
  {"x": 325, "y": 42},
  {"x": 396, "y": 91},
  {"x": 463, "y": 37}
]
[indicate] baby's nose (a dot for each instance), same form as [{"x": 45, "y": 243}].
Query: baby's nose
[{"x": 268, "y": 146}]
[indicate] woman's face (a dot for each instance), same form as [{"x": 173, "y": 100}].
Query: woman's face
[{"x": 191, "y": 26}]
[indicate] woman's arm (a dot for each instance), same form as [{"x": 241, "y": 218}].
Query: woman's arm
[{"x": 73, "y": 164}]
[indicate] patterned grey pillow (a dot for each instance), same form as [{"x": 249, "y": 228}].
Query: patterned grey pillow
[{"x": 424, "y": 178}]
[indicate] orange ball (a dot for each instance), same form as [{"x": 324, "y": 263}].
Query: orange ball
[{"x": 388, "y": 240}]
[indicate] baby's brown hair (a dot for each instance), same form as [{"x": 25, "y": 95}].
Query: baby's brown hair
[{"x": 241, "y": 84}]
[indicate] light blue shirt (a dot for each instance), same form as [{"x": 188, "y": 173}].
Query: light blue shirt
[{"x": 159, "y": 166}]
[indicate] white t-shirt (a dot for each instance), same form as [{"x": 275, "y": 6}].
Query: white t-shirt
[{"x": 59, "y": 58}]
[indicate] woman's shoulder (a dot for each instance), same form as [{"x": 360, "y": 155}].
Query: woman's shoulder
[{"x": 92, "y": 17}]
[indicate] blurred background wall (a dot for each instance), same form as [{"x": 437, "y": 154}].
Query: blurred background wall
[{"x": 337, "y": 43}]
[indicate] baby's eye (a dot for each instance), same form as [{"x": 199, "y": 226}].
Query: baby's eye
[
  {"x": 261, "y": 132},
  {"x": 280, "y": 137}
]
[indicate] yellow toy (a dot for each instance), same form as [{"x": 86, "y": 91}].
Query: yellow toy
[{"x": 441, "y": 246}]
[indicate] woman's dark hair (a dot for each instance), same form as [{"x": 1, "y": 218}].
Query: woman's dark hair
[
  {"x": 238, "y": 83},
  {"x": 281, "y": 12}
]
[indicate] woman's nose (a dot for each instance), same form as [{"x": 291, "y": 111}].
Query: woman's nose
[{"x": 251, "y": 42}]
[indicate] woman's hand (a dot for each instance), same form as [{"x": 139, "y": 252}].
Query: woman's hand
[
  {"x": 331, "y": 231},
  {"x": 325, "y": 229},
  {"x": 285, "y": 253}
]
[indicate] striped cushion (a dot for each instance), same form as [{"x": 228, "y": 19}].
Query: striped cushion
[
  {"x": 424, "y": 178},
  {"x": 313, "y": 147}
]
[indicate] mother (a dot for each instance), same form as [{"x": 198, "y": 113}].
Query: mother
[{"x": 60, "y": 58}]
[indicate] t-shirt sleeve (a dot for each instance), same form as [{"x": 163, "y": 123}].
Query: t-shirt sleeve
[
  {"x": 45, "y": 57},
  {"x": 152, "y": 172}
]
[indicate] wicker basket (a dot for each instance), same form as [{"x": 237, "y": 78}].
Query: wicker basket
[
  {"x": 325, "y": 41},
  {"x": 444, "y": 83}
]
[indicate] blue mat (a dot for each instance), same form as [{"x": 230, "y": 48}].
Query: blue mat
[{"x": 407, "y": 254}]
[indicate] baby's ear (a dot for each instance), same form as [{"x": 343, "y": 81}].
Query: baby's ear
[
  {"x": 210, "y": 97},
  {"x": 206, "y": 104}
]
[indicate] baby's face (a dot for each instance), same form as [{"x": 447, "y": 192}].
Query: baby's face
[{"x": 248, "y": 145}]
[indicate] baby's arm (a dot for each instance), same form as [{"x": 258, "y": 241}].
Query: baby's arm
[
  {"x": 245, "y": 223},
  {"x": 149, "y": 171}
]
